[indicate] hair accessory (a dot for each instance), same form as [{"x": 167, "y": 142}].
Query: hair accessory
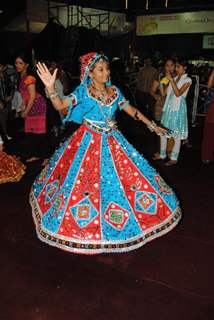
[{"x": 87, "y": 62}]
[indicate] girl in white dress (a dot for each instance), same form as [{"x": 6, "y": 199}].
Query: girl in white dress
[{"x": 174, "y": 116}]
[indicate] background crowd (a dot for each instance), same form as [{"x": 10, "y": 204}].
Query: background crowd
[{"x": 32, "y": 129}]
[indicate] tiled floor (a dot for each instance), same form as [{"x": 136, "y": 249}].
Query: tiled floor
[{"x": 170, "y": 278}]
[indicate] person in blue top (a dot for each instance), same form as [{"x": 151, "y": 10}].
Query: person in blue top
[
  {"x": 97, "y": 193},
  {"x": 174, "y": 115}
]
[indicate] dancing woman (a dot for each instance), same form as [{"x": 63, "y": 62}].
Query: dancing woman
[{"x": 97, "y": 193}]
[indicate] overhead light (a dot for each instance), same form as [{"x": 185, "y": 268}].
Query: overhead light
[
  {"x": 147, "y": 4},
  {"x": 1, "y": 11},
  {"x": 126, "y": 5}
]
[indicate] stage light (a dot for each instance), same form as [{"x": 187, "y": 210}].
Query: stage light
[
  {"x": 126, "y": 6},
  {"x": 147, "y": 4}
]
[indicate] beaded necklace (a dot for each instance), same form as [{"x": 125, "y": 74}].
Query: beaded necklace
[
  {"x": 102, "y": 101},
  {"x": 101, "y": 94}
]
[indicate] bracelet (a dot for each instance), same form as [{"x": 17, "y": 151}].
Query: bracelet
[
  {"x": 136, "y": 117},
  {"x": 152, "y": 126},
  {"x": 51, "y": 95}
]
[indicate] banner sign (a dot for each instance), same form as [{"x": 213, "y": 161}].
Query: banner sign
[
  {"x": 188, "y": 22},
  {"x": 208, "y": 41}
]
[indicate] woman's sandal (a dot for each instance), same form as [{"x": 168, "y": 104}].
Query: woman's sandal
[
  {"x": 170, "y": 163},
  {"x": 157, "y": 156}
]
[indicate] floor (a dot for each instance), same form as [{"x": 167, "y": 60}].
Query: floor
[{"x": 169, "y": 278}]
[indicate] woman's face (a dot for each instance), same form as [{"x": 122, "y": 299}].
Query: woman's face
[
  {"x": 179, "y": 69},
  {"x": 170, "y": 66},
  {"x": 100, "y": 73},
  {"x": 20, "y": 65}
]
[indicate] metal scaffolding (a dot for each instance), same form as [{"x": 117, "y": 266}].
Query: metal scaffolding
[{"x": 77, "y": 16}]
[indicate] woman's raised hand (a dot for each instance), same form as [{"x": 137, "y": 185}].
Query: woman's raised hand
[
  {"x": 169, "y": 76},
  {"x": 47, "y": 78}
]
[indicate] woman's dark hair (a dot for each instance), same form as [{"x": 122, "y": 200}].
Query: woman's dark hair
[
  {"x": 183, "y": 62},
  {"x": 27, "y": 58},
  {"x": 169, "y": 59},
  {"x": 103, "y": 58}
]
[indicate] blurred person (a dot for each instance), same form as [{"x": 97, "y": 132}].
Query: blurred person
[
  {"x": 97, "y": 194},
  {"x": 208, "y": 134},
  {"x": 6, "y": 94},
  {"x": 159, "y": 92},
  {"x": 33, "y": 111},
  {"x": 54, "y": 117},
  {"x": 58, "y": 83},
  {"x": 159, "y": 87},
  {"x": 174, "y": 115},
  {"x": 146, "y": 75}
]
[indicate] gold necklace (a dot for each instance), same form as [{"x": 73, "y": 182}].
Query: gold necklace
[
  {"x": 100, "y": 95},
  {"x": 102, "y": 91}
]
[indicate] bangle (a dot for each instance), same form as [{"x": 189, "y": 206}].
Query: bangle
[
  {"x": 51, "y": 95},
  {"x": 152, "y": 126},
  {"x": 136, "y": 117}
]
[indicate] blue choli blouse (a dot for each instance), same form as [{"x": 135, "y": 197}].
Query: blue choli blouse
[{"x": 83, "y": 106}]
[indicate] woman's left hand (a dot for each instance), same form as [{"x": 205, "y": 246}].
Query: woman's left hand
[
  {"x": 22, "y": 108},
  {"x": 24, "y": 114},
  {"x": 169, "y": 76}
]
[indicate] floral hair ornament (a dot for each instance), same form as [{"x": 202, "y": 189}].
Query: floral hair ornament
[{"x": 87, "y": 63}]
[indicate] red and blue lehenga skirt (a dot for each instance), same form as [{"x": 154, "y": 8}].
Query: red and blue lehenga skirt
[{"x": 98, "y": 194}]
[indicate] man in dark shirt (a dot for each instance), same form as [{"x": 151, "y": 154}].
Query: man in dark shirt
[
  {"x": 5, "y": 100},
  {"x": 147, "y": 74}
]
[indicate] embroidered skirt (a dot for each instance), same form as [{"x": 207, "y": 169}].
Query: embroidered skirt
[
  {"x": 176, "y": 120},
  {"x": 11, "y": 168},
  {"x": 98, "y": 194}
]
